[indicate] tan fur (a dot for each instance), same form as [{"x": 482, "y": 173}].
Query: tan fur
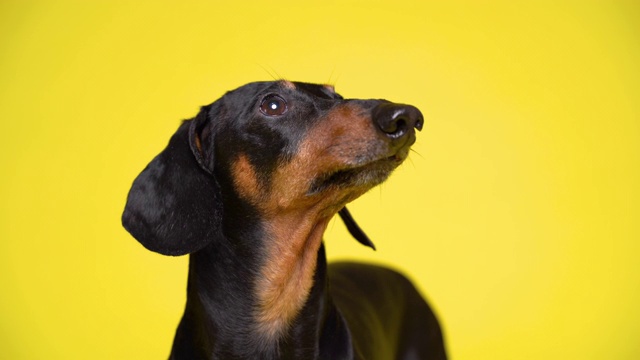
[
  {"x": 245, "y": 179},
  {"x": 288, "y": 84},
  {"x": 198, "y": 145},
  {"x": 294, "y": 220}
]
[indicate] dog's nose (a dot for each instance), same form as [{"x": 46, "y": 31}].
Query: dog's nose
[{"x": 397, "y": 120}]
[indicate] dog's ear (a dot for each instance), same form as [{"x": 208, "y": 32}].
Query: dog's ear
[
  {"x": 173, "y": 206},
  {"x": 354, "y": 229}
]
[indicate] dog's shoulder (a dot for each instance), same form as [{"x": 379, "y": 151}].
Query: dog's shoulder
[
  {"x": 378, "y": 302},
  {"x": 378, "y": 284}
]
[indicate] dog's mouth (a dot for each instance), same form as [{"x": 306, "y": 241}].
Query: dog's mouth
[{"x": 366, "y": 175}]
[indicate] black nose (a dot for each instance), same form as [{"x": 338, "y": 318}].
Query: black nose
[{"x": 397, "y": 120}]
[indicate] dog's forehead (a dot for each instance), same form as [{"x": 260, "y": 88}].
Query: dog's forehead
[
  {"x": 256, "y": 89},
  {"x": 323, "y": 91}
]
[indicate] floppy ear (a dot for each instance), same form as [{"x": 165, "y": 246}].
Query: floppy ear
[
  {"x": 173, "y": 206},
  {"x": 354, "y": 229}
]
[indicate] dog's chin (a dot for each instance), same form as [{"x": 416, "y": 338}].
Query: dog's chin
[{"x": 363, "y": 176}]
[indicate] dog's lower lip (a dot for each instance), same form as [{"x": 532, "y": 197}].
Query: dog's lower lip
[{"x": 367, "y": 174}]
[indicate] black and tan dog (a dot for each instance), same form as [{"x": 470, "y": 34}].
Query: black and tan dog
[{"x": 247, "y": 188}]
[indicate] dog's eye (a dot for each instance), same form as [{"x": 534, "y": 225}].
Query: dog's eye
[{"x": 273, "y": 105}]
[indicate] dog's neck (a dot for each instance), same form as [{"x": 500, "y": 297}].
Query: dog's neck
[
  {"x": 273, "y": 303},
  {"x": 287, "y": 269}
]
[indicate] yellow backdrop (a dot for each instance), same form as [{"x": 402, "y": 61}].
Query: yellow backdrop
[{"x": 517, "y": 214}]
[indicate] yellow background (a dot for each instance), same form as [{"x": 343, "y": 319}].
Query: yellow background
[{"x": 517, "y": 214}]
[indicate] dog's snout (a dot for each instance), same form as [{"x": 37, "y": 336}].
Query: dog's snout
[{"x": 397, "y": 120}]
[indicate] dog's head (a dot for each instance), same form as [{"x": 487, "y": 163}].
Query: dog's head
[{"x": 271, "y": 147}]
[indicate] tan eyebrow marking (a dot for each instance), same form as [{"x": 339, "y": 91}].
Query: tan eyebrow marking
[
  {"x": 288, "y": 84},
  {"x": 330, "y": 87}
]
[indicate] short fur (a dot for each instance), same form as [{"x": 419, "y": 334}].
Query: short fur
[{"x": 247, "y": 188}]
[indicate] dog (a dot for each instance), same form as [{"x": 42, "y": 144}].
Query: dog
[{"x": 247, "y": 188}]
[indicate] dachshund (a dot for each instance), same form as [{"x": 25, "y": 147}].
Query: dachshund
[{"x": 247, "y": 188}]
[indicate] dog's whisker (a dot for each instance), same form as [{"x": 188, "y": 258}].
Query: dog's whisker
[
  {"x": 279, "y": 76},
  {"x": 267, "y": 71},
  {"x": 416, "y": 152},
  {"x": 331, "y": 76}
]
